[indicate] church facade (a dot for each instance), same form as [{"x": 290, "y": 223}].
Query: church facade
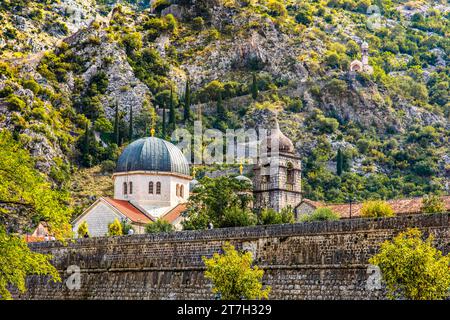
[{"x": 151, "y": 182}]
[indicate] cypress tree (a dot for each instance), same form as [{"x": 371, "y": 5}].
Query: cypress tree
[
  {"x": 86, "y": 139},
  {"x": 220, "y": 109},
  {"x": 254, "y": 87},
  {"x": 164, "y": 120},
  {"x": 187, "y": 102},
  {"x": 339, "y": 162},
  {"x": 130, "y": 130},
  {"x": 172, "y": 112},
  {"x": 116, "y": 125}
]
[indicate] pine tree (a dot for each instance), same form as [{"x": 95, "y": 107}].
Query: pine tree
[
  {"x": 130, "y": 130},
  {"x": 117, "y": 126},
  {"x": 172, "y": 112},
  {"x": 339, "y": 162},
  {"x": 187, "y": 102},
  {"x": 254, "y": 87}
]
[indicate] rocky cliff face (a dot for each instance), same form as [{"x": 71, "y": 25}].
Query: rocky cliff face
[{"x": 393, "y": 122}]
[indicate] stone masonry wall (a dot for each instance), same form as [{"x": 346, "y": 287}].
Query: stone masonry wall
[{"x": 320, "y": 260}]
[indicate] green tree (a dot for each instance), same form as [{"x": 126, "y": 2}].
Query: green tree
[
  {"x": 164, "y": 128},
  {"x": 221, "y": 112},
  {"x": 25, "y": 195},
  {"x": 172, "y": 116},
  {"x": 130, "y": 128},
  {"x": 270, "y": 216},
  {"x": 159, "y": 225},
  {"x": 126, "y": 227},
  {"x": 238, "y": 217},
  {"x": 412, "y": 268},
  {"x": 321, "y": 214},
  {"x": 117, "y": 125},
  {"x": 254, "y": 87},
  {"x": 339, "y": 162},
  {"x": 432, "y": 204},
  {"x": 83, "y": 229},
  {"x": 215, "y": 202},
  {"x": 187, "y": 102},
  {"x": 233, "y": 276},
  {"x": 17, "y": 261},
  {"x": 115, "y": 228},
  {"x": 376, "y": 209}
]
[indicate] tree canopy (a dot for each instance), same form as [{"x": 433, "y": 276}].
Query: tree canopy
[
  {"x": 25, "y": 195},
  {"x": 233, "y": 276},
  {"x": 412, "y": 268}
]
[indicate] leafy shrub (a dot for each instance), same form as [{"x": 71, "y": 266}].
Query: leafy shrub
[
  {"x": 32, "y": 85},
  {"x": 277, "y": 9},
  {"x": 198, "y": 23},
  {"x": 304, "y": 17},
  {"x": 83, "y": 229},
  {"x": 270, "y": 216},
  {"x": 107, "y": 166},
  {"x": 15, "y": 103},
  {"x": 413, "y": 268},
  {"x": 376, "y": 209},
  {"x": 238, "y": 217},
  {"x": 321, "y": 214},
  {"x": 432, "y": 204},
  {"x": 115, "y": 228},
  {"x": 158, "y": 226},
  {"x": 233, "y": 276}
]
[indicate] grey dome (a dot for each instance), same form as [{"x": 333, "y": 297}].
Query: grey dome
[
  {"x": 277, "y": 137},
  {"x": 152, "y": 154},
  {"x": 244, "y": 179}
]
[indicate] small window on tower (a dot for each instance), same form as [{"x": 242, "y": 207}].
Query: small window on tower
[
  {"x": 158, "y": 187},
  {"x": 178, "y": 190},
  {"x": 125, "y": 188},
  {"x": 150, "y": 187},
  {"x": 182, "y": 191},
  {"x": 131, "y": 187}
]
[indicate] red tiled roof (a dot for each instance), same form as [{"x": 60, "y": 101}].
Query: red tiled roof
[
  {"x": 173, "y": 214},
  {"x": 400, "y": 207},
  {"x": 130, "y": 211},
  {"x": 33, "y": 238}
]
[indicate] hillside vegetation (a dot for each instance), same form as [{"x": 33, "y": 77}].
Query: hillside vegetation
[{"x": 72, "y": 73}]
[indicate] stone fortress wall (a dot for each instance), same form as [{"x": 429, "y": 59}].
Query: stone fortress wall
[{"x": 319, "y": 260}]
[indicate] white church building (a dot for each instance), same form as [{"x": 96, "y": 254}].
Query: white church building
[{"x": 151, "y": 182}]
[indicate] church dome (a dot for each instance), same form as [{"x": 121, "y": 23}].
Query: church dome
[
  {"x": 152, "y": 154},
  {"x": 244, "y": 179},
  {"x": 284, "y": 143}
]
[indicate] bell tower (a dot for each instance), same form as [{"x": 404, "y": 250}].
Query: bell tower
[{"x": 277, "y": 174}]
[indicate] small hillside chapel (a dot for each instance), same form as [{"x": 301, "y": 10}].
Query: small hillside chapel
[{"x": 152, "y": 181}]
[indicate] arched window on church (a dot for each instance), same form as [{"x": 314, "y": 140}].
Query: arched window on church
[
  {"x": 150, "y": 187},
  {"x": 125, "y": 188},
  {"x": 131, "y": 187},
  {"x": 182, "y": 191},
  {"x": 290, "y": 179},
  {"x": 178, "y": 190},
  {"x": 158, "y": 187}
]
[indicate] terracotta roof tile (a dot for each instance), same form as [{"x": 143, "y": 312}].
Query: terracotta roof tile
[
  {"x": 130, "y": 211},
  {"x": 400, "y": 207},
  {"x": 173, "y": 214}
]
